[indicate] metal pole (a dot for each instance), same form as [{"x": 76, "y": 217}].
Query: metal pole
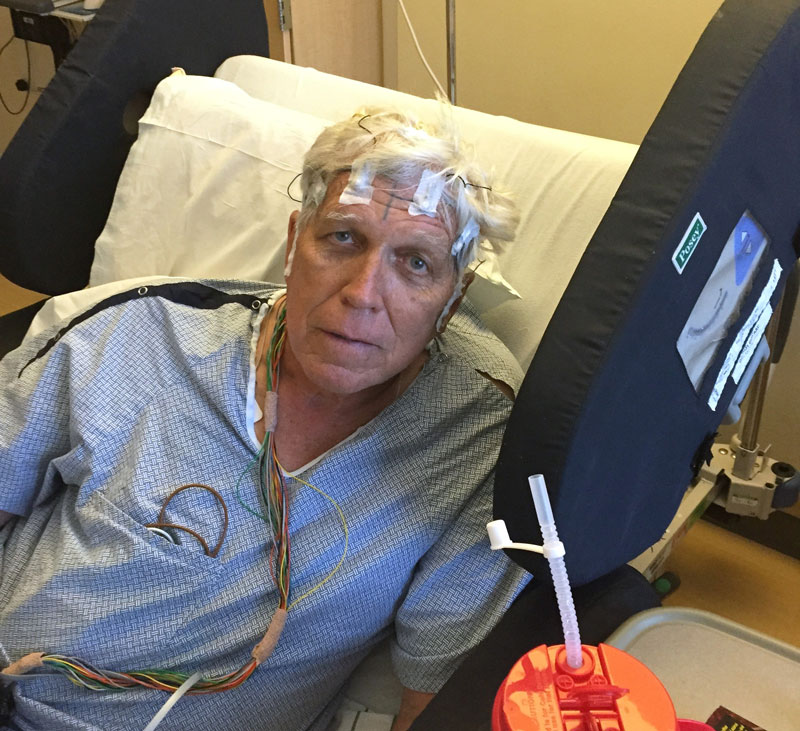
[
  {"x": 451, "y": 49},
  {"x": 745, "y": 443},
  {"x": 758, "y": 390}
]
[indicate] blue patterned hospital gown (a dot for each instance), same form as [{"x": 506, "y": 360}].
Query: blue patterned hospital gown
[{"x": 154, "y": 389}]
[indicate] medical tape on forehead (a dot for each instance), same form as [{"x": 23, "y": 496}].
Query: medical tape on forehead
[
  {"x": 359, "y": 187},
  {"x": 468, "y": 234},
  {"x": 427, "y": 195}
]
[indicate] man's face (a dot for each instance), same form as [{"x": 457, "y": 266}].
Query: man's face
[{"x": 367, "y": 284}]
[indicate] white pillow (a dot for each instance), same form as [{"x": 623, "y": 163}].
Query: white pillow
[{"x": 204, "y": 189}]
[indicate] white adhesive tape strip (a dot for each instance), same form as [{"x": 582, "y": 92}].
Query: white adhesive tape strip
[
  {"x": 356, "y": 196},
  {"x": 753, "y": 339},
  {"x": 738, "y": 343},
  {"x": 359, "y": 188},
  {"x": 427, "y": 195},
  {"x": 468, "y": 233}
]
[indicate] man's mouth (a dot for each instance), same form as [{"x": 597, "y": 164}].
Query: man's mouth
[{"x": 349, "y": 339}]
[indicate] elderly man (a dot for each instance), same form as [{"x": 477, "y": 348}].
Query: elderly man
[{"x": 225, "y": 486}]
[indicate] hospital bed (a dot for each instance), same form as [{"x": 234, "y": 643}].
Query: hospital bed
[{"x": 602, "y": 297}]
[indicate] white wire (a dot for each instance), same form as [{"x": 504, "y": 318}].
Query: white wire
[
  {"x": 172, "y": 700},
  {"x": 419, "y": 50}
]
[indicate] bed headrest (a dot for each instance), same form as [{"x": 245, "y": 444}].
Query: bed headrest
[{"x": 665, "y": 310}]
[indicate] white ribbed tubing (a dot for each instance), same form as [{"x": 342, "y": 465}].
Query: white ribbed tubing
[{"x": 554, "y": 553}]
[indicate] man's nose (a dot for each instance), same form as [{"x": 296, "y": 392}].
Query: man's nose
[{"x": 365, "y": 280}]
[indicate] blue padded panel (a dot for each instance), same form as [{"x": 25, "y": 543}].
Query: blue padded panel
[
  {"x": 58, "y": 175},
  {"x": 607, "y": 412}
]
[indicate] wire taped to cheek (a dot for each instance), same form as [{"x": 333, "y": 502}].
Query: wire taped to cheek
[
  {"x": 468, "y": 233},
  {"x": 267, "y": 644}
]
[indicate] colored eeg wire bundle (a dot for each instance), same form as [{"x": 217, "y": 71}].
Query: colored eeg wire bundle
[
  {"x": 273, "y": 489},
  {"x": 271, "y": 478},
  {"x": 88, "y": 676}
]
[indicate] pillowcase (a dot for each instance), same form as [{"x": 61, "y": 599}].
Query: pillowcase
[{"x": 204, "y": 189}]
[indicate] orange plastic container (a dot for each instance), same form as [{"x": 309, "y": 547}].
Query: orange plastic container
[{"x": 611, "y": 691}]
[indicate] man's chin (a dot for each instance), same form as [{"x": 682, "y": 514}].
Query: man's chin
[{"x": 343, "y": 380}]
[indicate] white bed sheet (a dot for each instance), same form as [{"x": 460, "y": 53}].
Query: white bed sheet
[{"x": 204, "y": 189}]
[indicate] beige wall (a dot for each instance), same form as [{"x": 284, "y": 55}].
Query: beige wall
[
  {"x": 602, "y": 68},
  {"x": 13, "y": 66},
  {"x": 782, "y": 408},
  {"x": 780, "y": 424},
  {"x": 597, "y": 68},
  {"x": 342, "y": 37}
]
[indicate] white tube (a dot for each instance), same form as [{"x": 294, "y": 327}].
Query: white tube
[
  {"x": 172, "y": 700},
  {"x": 554, "y": 552}
]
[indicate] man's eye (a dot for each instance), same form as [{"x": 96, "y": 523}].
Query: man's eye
[
  {"x": 342, "y": 237},
  {"x": 417, "y": 264}
]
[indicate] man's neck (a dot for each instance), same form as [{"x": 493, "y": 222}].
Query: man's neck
[
  {"x": 307, "y": 395},
  {"x": 312, "y": 421}
]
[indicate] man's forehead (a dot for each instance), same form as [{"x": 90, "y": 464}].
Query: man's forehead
[
  {"x": 384, "y": 194},
  {"x": 382, "y": 188}
]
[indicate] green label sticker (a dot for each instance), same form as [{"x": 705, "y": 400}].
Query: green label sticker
[{"x": 689, "y": 242}]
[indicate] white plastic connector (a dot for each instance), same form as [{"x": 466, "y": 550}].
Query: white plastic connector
[
  {"x": 498, "y": 534},
  {"x": 499, "y": 538},
  {"x": 554, "y": 549}
]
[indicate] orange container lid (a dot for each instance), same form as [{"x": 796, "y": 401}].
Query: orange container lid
[{"x": 611, "y": 691}]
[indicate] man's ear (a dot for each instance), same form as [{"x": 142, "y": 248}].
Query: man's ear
[{"x": 466, "y": 280}]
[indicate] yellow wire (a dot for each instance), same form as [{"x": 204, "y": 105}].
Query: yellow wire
[
  {"x": 153, "y": 680},
  {"x": 63, "y": 662},
  {"x": 344, "y": 527}
]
